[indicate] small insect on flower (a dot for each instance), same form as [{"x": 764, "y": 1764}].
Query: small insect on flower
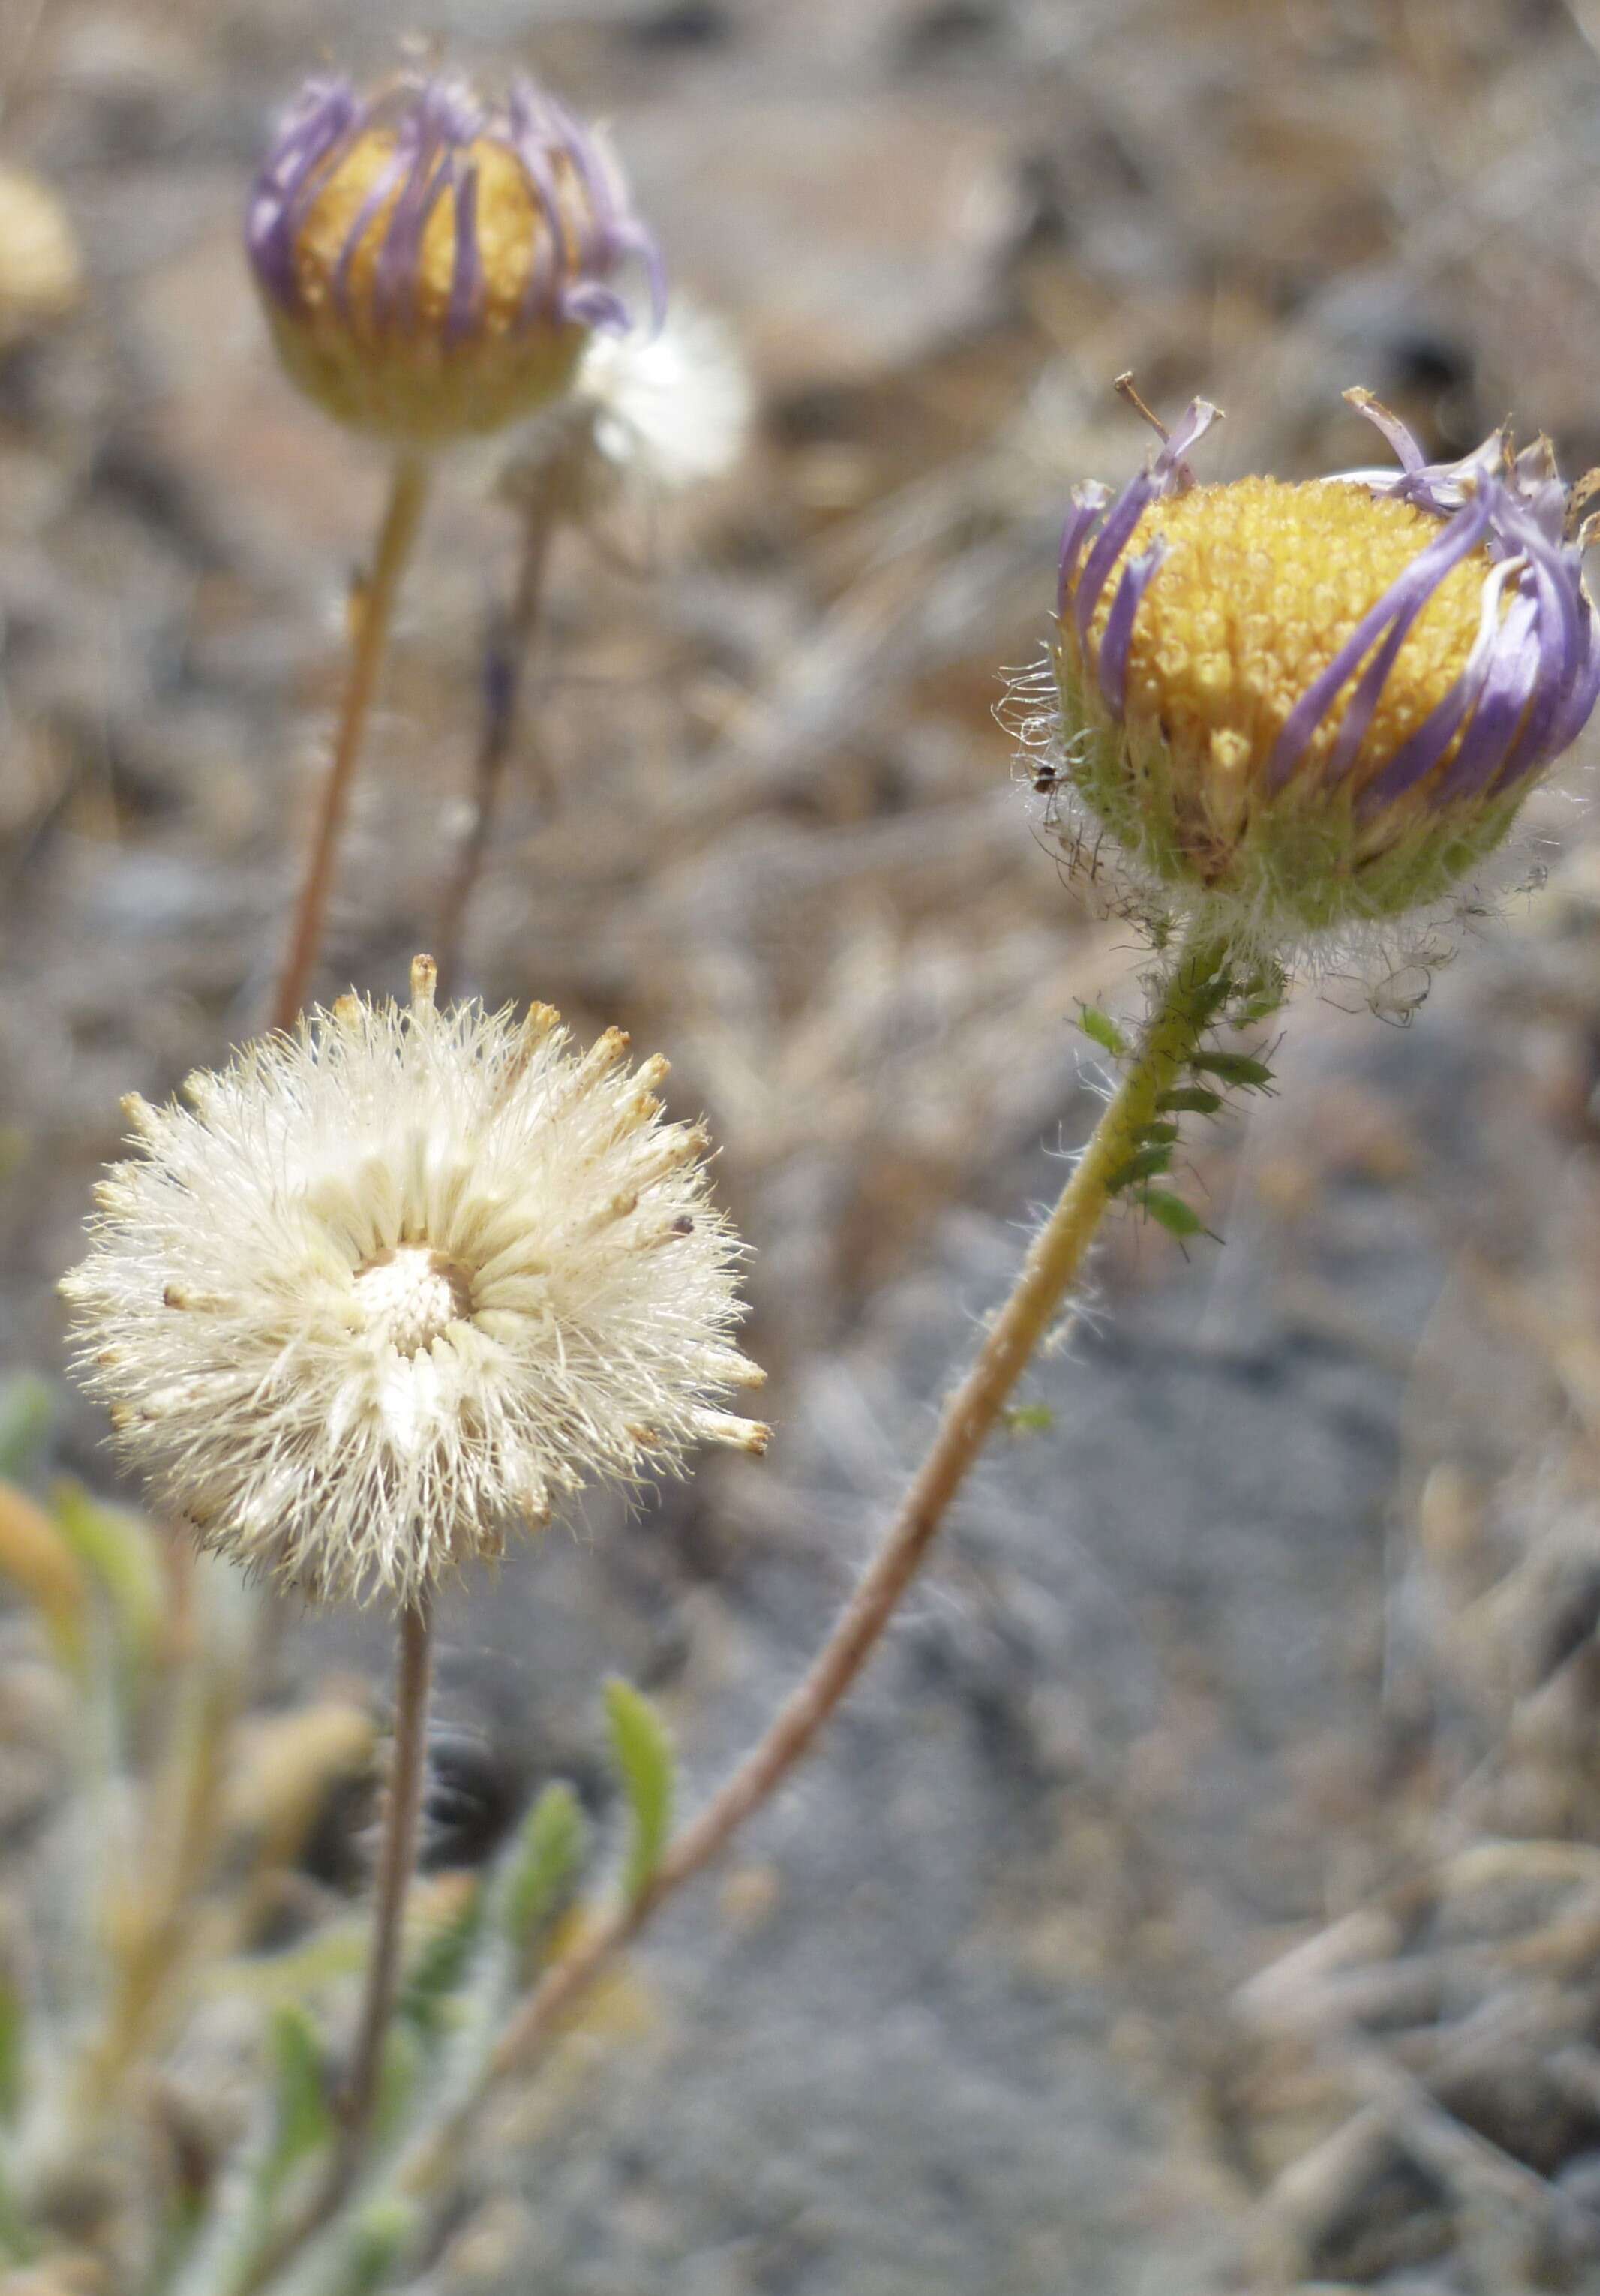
[
  {"x": 1298, "y": 707},
  {"x": 433, "y": 266},
  {"x": 400, "y": 1277}
]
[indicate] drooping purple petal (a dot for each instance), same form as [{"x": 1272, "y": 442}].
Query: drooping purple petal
[
  {"x": 588, "y": 304},
  {"x": 1089, "y": 498},
  {"x": 384, "y": 185},
  {"x": 1458, "y": 540},
  {"x": 1399, "y": 437},
  {"x": 629, "y": 236},
  {"x": 1582, "y": 694},
  {"x": 1557, "y": 622},
  {"x": 1117, "y": 635},
  {"x": 1164, "y": 474},
  {"x": 1420, "y": 752},
  {"x": 325, "y": 115},
  {"x": 1403, "y": 600},
  {"x": 1512, "y": 678},
  {"x": 467, "y": 271},
  {"x": 588, "y": 227},
  {"x": 1441, "y": 488}
]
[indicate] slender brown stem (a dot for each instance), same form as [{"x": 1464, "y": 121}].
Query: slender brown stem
[
  {"x": 396, "y": 1863},
  {"x": 373, "y": 613},
  {"x": 504, "y": 673},
  {"x": 1184, "y": 1006}
]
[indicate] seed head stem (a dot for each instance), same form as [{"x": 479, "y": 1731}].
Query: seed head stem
[
  {"x": 505, "y": 672},
  {"x": 396, "y": 1863},
  {"x": 373, "y": 618}
]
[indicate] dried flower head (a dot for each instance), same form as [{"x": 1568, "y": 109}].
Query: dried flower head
[
  {"x": 403, "y": 1276},
  {"x": 1301, "y": 706},
  {"x": 432, "y": 267}
]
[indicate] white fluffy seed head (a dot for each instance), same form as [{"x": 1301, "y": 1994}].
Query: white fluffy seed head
[
  {"x": 649, "y": 416},
  {"x": 676, "y": 406},
  {"x": 397, "y": 1280}
]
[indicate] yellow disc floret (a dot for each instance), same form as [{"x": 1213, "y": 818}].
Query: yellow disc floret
[
  {"x": 336, "y": 253},
  {"x": 1263, "y": 583}
]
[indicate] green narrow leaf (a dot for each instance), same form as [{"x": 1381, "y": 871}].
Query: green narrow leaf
[
  {"x": 1175, "y": 1216},
  {"x": 440, "y": 1969},
  {"x": 118, "y": 1550},
  {"x": 374, "y": 2244},
  {"x": 547, "y": 1854},
  {"x": 1143, "y": 1165},
  {"x": 1191, "y": 1100},
  {"x": 1235, "y": 1068},
  {"x": 644, "y": 1755},
  {"x": 13, "y": 2035},
  {"x": 27, "y": 1415},
  {"x": 302, "y": 2118},
  {"x": 1103, "y": 1030}
]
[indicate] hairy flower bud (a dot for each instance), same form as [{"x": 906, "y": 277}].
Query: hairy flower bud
[
  {"x": 1298, "y": 706},
  {"x": 432, "y": 267}
]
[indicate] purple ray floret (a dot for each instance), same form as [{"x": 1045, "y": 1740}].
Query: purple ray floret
[
  {"x": 1532, "y": 678},
  {"x": 433, "y": 122}
]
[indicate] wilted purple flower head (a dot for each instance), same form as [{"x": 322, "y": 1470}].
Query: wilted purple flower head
[
  {"x": 432, "y": 265},
  {"x": 1303, "y": 705}
]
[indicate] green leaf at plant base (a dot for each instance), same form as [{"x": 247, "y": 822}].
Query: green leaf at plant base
[
  {"x": 644, "y": 1756},
  {"x": 546, "y": 1855},
  {"x": 119, "y": 1550},
  {"x": 14, "y": 2039},
  {"x": 302, "y": 2118},
  {"x": 27, "y": 1415},
  {"x": 37, "y": 1560},
  {"x": 440, "y": 1969}
]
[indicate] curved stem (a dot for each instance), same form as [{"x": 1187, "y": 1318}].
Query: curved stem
[
  {"x": 1185, "y": 1006},
  {"x": 505, "y": 668},
  {"x": 373, "y": 613}
]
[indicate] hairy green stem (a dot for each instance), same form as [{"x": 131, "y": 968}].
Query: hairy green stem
[{"x": 372, "y": 615}]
